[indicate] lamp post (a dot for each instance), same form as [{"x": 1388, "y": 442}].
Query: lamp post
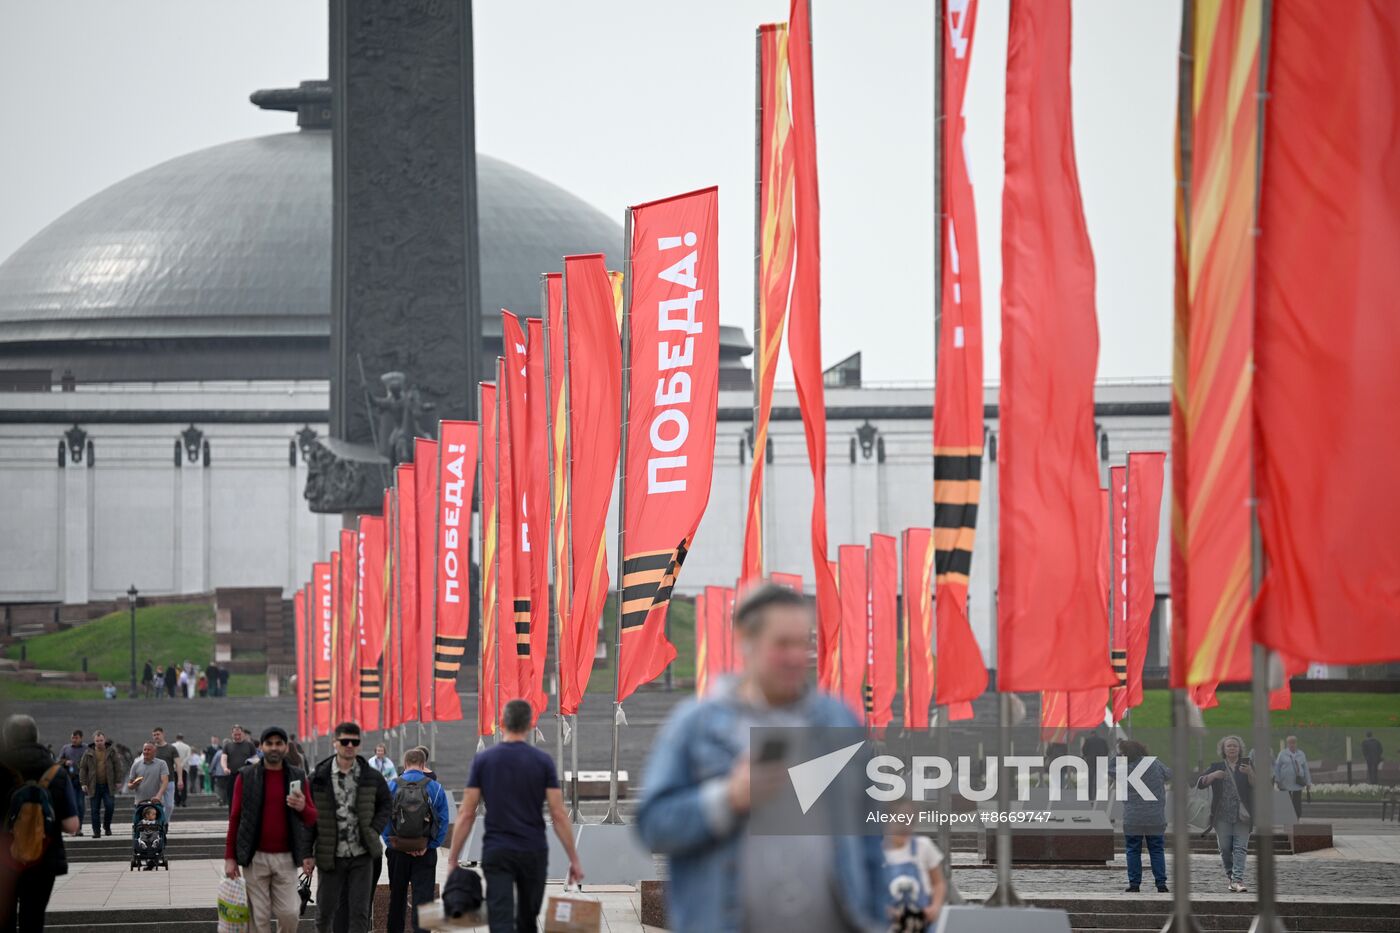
[{"x": 131, "y": 604}]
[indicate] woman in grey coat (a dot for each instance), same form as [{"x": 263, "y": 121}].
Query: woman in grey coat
[{"x": 1145, "y": 820}]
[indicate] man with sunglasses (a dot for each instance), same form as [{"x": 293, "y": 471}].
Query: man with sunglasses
[{"x": 353, "y": 805}]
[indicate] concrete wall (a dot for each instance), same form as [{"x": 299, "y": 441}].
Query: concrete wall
[{"x": 78, "y": 532}]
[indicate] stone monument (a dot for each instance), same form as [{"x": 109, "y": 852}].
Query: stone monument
[{"x": 405, "y": 294}]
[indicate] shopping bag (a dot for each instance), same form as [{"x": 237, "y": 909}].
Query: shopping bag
[
  {"x": 572, "y": 912},
  {"x": 233, "y": 906}
]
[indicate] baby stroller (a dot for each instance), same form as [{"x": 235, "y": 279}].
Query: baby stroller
[{"x": 148, "y": 829}]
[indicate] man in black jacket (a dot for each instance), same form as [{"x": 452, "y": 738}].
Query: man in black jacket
[
  {"x": 24, "y": 894},
  {"x": 353, "y": 806},
  {"x": 270, "y": 830}
]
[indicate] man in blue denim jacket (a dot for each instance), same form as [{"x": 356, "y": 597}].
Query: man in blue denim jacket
[{"x": 699, "y": 790}]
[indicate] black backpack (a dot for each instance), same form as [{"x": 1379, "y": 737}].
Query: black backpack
[{"x": 413, "y": 812}]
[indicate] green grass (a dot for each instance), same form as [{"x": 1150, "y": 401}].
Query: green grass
[
  {"x": 1309, "y": 711},
  {"x": 168, "y": 634},
  {"x": 681, "y": 619}
]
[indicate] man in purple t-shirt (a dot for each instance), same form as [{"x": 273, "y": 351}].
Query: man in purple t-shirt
[{"x": 515, "y": 780}]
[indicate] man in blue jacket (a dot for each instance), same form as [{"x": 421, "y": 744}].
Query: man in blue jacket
[
  {"x": 415, "y": 832},
  {"x": 700, "y": 789}
]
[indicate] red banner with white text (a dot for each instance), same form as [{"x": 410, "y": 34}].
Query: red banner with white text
[
  {"x": 518, "y": 471},
  {"x": 425, "y": 478},
  {"x": 303, "y": 694},
  {"x": 457, "y": 445},
  {"x": 372, "y": 623},
  {"x": 409, "y": 638},
  {"x": 513, "y": 582},
  {"x": 1047, "y": 597},
  {"x": 673, "y": 403},
  {"x": 322, "y": 650},
  {"x": 348, "y": 645}
]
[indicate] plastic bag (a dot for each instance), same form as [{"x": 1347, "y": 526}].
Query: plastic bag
[{"x": 233, "y": 906}]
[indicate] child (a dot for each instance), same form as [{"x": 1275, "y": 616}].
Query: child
[
  {"x": 148, "y": 835},
  {"x": 916, "y": 887}
]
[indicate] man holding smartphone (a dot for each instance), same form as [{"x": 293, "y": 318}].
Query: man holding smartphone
[{"x": 270, "y": 834}]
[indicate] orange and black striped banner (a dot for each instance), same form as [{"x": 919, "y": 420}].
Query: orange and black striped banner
[{"x": 448, "y": 651}]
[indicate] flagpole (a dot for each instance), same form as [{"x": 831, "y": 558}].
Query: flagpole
[
  {"x": 1266, "y": 921},
  {"x": 437, "y": 562},
  {"x": 941, "y": 723},
  {"x": 613, "y": 817},
  {"x": 754, "y": 451},
  {"x": 555, "y": 622},
  {"x": 485, "y": 618},
  {"x": 568, "y": 466},
  {"x": 500, "y": 388}
]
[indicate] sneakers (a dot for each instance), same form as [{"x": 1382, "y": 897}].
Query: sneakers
[
  {"x": 1131, "y": 889},
  {"x": 1162, "y": 889},
  {"x": 1238, "y": 887}
]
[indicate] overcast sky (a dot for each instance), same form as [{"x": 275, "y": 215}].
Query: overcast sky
[{"x": 623, "y": 101}]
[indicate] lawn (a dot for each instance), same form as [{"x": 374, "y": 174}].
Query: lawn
[
  {"x": 168, "y": 634},
  {"x": 1309, "y": 711},
  {"x": 680, "y": 618}
]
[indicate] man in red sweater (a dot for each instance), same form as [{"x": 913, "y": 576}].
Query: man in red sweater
[{"x": 270, "y": 831}]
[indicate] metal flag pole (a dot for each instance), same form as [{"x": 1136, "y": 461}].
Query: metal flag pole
[
  {"x": 613, "y": 816},
  {"x": 1266, "y": 920},
  {"x": 1004, "y": 895},
  {"x": 1181, "y": 920},
  {"x": 486, "y": 616},
  {"x": 500, "y": 386},
  {"x": 555, "y": 621},
  {"x": 565, "y": 388},
  {"x": 437, "y": 563},
  {"x": 942, "y": 723},
  {"x": 754, "y": 451}
]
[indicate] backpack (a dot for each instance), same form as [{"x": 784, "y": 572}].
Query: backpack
[
  {"x": 30, "y": 821},
  {"x": 413, "y": 812}
]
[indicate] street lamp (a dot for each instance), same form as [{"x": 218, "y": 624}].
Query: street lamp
[{"x": 131, "y": 603}]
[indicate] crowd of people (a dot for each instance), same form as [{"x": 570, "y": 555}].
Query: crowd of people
[
  {"x": 351, "y": 817},
  {"x": 186, "y": 681}
]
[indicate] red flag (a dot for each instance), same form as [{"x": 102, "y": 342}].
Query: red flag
[
  {"x": 855, "y": 626},
  {"x": 372, "y": 621},
  {"x": 409, "y": 640},
  {"x": 917, "y": 570},
  {"x": 456, "y": 475},
  {"x": 557, "y": 429},
  {"x": 348, "y": 639},
  {"x": 1048, "y": 606},
  {"x": 1211, "y": 391},
  {"x": 673, "y": 340},
  {"x": 534, "y": 475},
  {"x": 1085, "y": 709},
  {"x": 1327, "y": 340},
  {"x": 702, "y": 645},
  {"x": 390, "y": 703},
  {"x": 775, "y": 251},
  {"x": 518, "y": 475},
  {"x": 322, "y": 650},
  {"x": 792, "y": 581},
  {"x": 299, "y": 635},
  {"x": 594, "y": 397},
  {"x": 884, "y": 627},
  {"x": 512, "y": 584},
  {"x": 1117, "y": 525},
  {"x": 487, "y": 671},
  {"x": 958, "y": 404},
  {"x": 1146, "y": 473},
  {"x": 725, "y": 626},
  {"x": 338, "y": 635},
  {"x": 425, "y": 494},
  {"x": 805, "y": 327}
]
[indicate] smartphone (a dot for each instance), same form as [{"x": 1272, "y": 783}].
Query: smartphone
[
  {"x": 773, "y": 749},
  {"x": 294, "y": 787}
]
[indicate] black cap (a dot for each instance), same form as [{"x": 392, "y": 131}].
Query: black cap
[{"x": 271, "y": 731}]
